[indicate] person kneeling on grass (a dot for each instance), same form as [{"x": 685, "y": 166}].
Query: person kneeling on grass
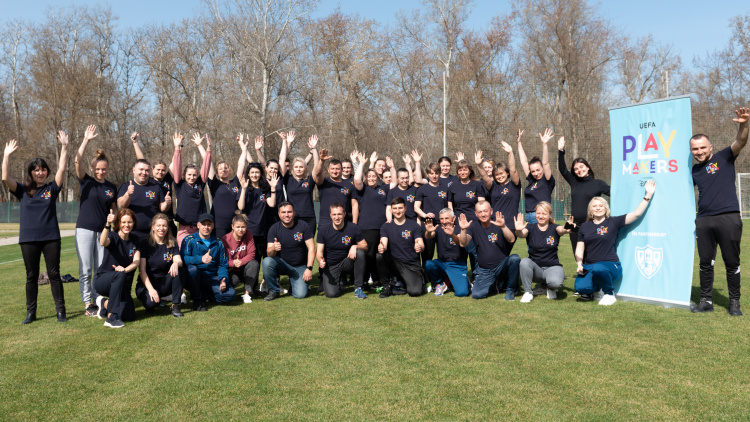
[
  {"x": 451, "y": 262},
  {"x": 160, "y": 267},
  {"x": 543, "y": 239},
  {"x": 597, "y": 237},
  {"x": 398, "y": 252},
  {"x": 492, "y": 239},
  {"x": 240, "y": 249},
  {"x": 114, "y": 278},
  {"x": 341, "y": 250},
  {"x": 292, "y": 253},
  {"x": 206, "y": 263}
]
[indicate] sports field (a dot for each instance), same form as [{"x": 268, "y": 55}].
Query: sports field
[{"x": 401, "y": 358}]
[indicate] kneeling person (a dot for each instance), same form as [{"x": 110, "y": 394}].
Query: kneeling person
[
  {"x": 240, "y": 249},
  {"x": 341, "y": 250},
  {"x": 160, "y": 267},
  {"x": 206, "y": 262},
  {"x": 451, "y": 262},
  {"x": 292, "y": 253},
  {"x": 398, "y": 252}
]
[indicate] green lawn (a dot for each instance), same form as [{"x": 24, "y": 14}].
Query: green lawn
[{"x": 427, "y": 358}]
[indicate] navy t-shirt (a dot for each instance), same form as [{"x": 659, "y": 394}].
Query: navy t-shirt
[
  {"x": 144, "y": 202},
  {"x": 224, "y": 200},
  {"x": 190, "y": 202},
  {"x": 372, "y": 205},
  {"x": 490, "y": 243},
  {"x": 448, "y": 249},
  {"x": 447, "y": 181},
  {"x": 293, "y": 247},
  {"x": 338, "y": 242},
  {"x": 401, "y": 240},
  {"x": 465, "y": 197},
  {"x": 543, "y": 245},
  {"x": 119, "y": 252},
  {"x": 256, "y": 208},
  {"x": 409, "y": 194},
  {"x": 331, "y": 192},
  {"x": 434, "y": 198},
  {"x": 715, "y": 180},
  {"x": 538, "y": 191},
  {"x": 38, "y": 213},
  {"x": 159, "y": 258},
  {"x": 166, "y": 186},
  {"x": 300, "y": 194},
  {"x": 96, "y": 202},
  {"x": 505, "y": 198},
  {"x": 601, "y": 239}
]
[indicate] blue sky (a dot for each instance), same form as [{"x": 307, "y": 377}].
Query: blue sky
[{"x": 693, "y": 27}]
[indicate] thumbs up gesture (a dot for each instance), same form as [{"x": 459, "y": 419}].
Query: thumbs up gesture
[
  {"x": 168, "y": 198},
  {"x": 110, "y": 217},
  {"x": 131, "y": 189},
  {"x": 276, "y": 245},
  {"x": 206, "y": 259}
]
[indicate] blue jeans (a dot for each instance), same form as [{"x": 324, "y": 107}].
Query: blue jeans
[
  {"x": 530, "y": 217},
  {"x": 455, "y": 271},
  {"x": 471, "y": 249},
  {"x": 210, "y": 285},
  {"x": 274, "y": 266},
  {"x": 601, "y": 275},
  {"x": 485, "y": 278}
]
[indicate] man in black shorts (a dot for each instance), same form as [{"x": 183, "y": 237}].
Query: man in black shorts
[{"x": 718, "y": 220}]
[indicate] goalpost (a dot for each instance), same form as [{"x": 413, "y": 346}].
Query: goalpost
[{"x": 743, "y": 194}]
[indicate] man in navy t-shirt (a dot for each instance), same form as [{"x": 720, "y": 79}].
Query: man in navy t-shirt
[
  {"x": 333, "y": 189},
  {"x": 341, "y": 250},
  {"x": 291, "y": 251},
  {"x": 398, "y": 252},
  {"x": 144, "y": 197},
  {"x": 718, "y": 220},
  {"x": 493, "y": 240},
  {"x": 451, "y": 261}
]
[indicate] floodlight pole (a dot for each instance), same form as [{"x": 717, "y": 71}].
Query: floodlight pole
[{"x": 445, "y": 106}]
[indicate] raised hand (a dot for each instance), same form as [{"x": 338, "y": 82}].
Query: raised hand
[
  {"x": 110, "y": 217},
  {"x": 282, "y": 135},
  {"x": 177, "y": 139},
  {"x": 131, "y": 189},
  {"x": 478, "y": 157},
  {"x": 547, "y": 135},
  {"x": 258, "y": 142},
  {"x": 463, "y": 223},
  {"x": 499, "y": 219},
  {"x": 743, "y": 114},
  {"x": 206, "y": 259},
  {"x": 312, "y": 142},
  {"x": 519, "y": 223},
  {"x": 561, "y": 143},
  {"x": 290, "y": 136},
  {"x": 429, "y": 225},
  {"x": 416, "y": 156},
  {"x": 389, "y": 162},
  {"x": 460, "y": 156},
  {"x": 407, "y": 159},
  {"x": 243, "y": 143},
  {"x": 571, "y": 221},
  {"x": 135, "y": 137},
  {"x": 506, "y": 147},
  {"x": 374, "y": 157},
  {"x": 650, "y": 187},
  {"x": 520, "y": 134},
  {"x": 10, "y": 147},
  {"x": 274, "y": 180},
  {"x": 324, "y": 155},
  {"x": 90, "y": 133},
  {"x": 353, "y": 156},
  {"x": 361, "y": 158},
  {"x": 168, "y": 198},
  {"x": 62, "y": 137},
  {"x": 276, "y": 245},
  {"x": 244, "y": 182},
  {"x": 197, "y": 139}
]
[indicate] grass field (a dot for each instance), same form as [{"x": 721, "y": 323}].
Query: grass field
[{"x": 427, "y": 358}]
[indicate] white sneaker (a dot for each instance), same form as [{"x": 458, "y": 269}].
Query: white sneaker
[
  {"x": 284, "y": 291},
  {"x": 551, "y": 294},
  {"x": 183, "y": 299},
  {"x": 599, "y": 295},
  {"x": 428, "y": 287},
  {"x": 263, "y": 287},
  {"x": 608, "y": 300},
  {"x": 527, "y": 297},
  {"x": 369, "y": 281},
  {"x": 246, "y": 298}
]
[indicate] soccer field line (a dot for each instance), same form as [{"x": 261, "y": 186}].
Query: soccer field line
[{"x": 21, "y": 259}]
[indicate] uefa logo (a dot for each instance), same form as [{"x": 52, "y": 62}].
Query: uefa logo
[{"x": 649, "y": 260}]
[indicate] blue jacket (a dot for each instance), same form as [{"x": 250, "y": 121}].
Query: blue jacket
[{"x": 193, "y": 248}]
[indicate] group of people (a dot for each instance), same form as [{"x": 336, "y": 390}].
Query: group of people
[{"x": 400, "y": 230}]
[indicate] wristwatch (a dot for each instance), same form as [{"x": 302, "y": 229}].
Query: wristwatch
[{"x": 309, "y": 267}]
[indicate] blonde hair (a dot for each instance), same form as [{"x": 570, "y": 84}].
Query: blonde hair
[
  {"x": 169, "y": 239},
  {"x": 547, "y": 207},
  {"x": 304, "y": 164},
  {"x": 590, "y": 215}
]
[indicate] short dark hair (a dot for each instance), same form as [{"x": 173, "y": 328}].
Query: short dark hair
[
  {"x": 141, "y": 161},
  {"x": 398, "y": 200},
  {"x": 445, "y": 158},
  {"x": 698, "y": 136},
  {"x": 284, "y": 204},
  {"x": 337, "y": 205},
  {"x": 334, "y": 162},
  {"x": 346, "y": 160}
]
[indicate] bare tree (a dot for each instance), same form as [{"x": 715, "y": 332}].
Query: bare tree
[{"x": 644, "y": 66}]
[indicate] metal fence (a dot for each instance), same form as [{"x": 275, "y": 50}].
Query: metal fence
[{"x": 67, "y": 212}]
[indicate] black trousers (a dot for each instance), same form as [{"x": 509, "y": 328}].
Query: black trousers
[
  {"x": 247, "y": 274},
  {"x": 372, "y": 237},
  {"x": 390, "y": 267},
  {"x": 429, "y": 249},
  {"x": 32, "y": 254},
  {"x": 116, "y": 287},
  {"x": 312, "y": 222},
  {"x": 331, "y": 276},
  {"x": 726, "y": 231},
  {"x": 164, "y": 286}
]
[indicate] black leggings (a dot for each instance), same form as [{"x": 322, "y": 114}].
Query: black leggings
[
  {"x": 166, "y": 285},
  {"x": 32, "y": 254},
  {"x": 372, "y": 237}
]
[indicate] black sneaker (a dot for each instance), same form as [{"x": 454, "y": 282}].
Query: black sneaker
[
  {"x": 585, "y": 298},
  {"x": 271, "y": 296},
  {"x": 30, "y": 317},
  {"x": 92, "y": 310},
  {"x": 176, "y": 312},
  {"x": 199, "y": 306},
  {"x": 705, "y": 305},
  {"x": 734, "y": 307},
  {"x": 61, "y": 317},
  {"x": 397, "y": 291},
  {"x": 386, "y": 292},
  {"x": 113, "y": 321},
  {"x": 102, "y": 314}
]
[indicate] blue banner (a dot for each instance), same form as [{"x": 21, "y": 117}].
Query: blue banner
[{"x": 652, "y": 141}]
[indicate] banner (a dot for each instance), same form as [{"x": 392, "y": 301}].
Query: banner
[{"x": 652, "y": 141}]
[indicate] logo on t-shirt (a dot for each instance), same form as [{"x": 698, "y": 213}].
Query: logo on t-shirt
[
  {"x": 235, "y": 189},
  {"x": 442, "y": 194},
  {"x": 471, "y": 194},
  {"x": 109, "y": 193},
  {"x": 406, "y": 234},
  {"x": 505, "y": 191},
  {"x": 46, "y": 195},
  {"x": 345, "y": 191},
  {"x": 298, "y": 236},
  {"x": 150, "y": 194},
  {"x": 346, "y": 240},
  {"x": 712, "y": 168},
  {"x": 381, "y": 192},
  {"x": 168, "y": 257},
  {"x": 551, "y": 240},
  {"x": 535, "y": 186},
  {"x": 410, "y": 198},
  {"x": 601, "y": 230},
  {"x": 262, "y": 197},
  {"x": 492, "y": 237},
  {"x": 451, "y": 242},
  {"x": 450, "y": 183},
  {"x": 305, "y": 185},
  {"x": 131, "y": 252},
  {"x": 200, "y": 189},
  {"x": 166, "y": 185}
]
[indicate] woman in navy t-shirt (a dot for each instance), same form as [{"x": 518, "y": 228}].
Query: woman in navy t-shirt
[
  {"x": 114, "y": 278},
  {"x": 255, "y": 198},
  {"x": 372, "y": 205},
  {"x": 542, "y": 265},
  {"x": 160, "y": 265},
  {"x": 539, "y": 175},
  {"x": 502, "y": 185},
  {"x": 97, "y": 200},
  {"x": 597, "y": 237},
  {"x": 39, "y": 232},
  {"x": 298, "y": 182},
  {"x": 189, "y": 186}
]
